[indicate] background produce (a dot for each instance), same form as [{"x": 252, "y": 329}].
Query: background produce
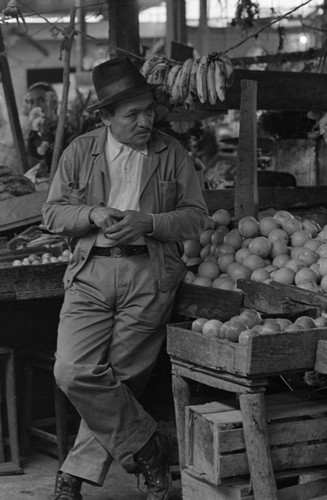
[
  {"x": 250, "y": 323},
  {"x": 284, "y": 248}
]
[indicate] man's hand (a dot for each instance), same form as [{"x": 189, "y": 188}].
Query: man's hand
[
  {"x": 131, "y": 226},
  {"x": 104, "y": 217}
]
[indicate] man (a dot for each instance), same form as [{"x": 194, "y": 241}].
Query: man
[{"x": 127, "y": 195}]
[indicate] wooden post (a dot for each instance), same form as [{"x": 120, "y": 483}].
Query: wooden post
[
  {"x": 246, "y": 186},
  {"x": 64, "y": 99},
  {"x": 123, "y": 27},
  {"x": 182, "y": 397},
  {"x": 12, "y": 109},
  {"x": 175, "y": 26},
  {"x": 257, "y": 446},
  {"x": 80, "y": 45}
]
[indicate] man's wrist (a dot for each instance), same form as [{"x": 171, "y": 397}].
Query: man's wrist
[{"x": 91, "y": 221}]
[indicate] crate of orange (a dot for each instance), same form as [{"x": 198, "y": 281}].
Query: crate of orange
[
  {"x": 249, "y": 344},
  {"x": 278, "y": 261}
]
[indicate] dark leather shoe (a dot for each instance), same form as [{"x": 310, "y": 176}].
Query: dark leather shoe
[
  {"x": 67, "y": 487},
  {"x": 153, "y": 463}
]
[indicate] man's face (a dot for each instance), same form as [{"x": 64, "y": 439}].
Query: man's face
[{"x": 132, "y": 121}]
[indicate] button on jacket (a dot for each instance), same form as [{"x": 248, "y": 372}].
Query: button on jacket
[{"x": 169, "y": 190}]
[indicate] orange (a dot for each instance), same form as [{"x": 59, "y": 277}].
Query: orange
[
  {"x": 267, "y": 224},
  {"x": 322, "y": 263},
  {"x": 282, "y": 215},
  {"x": 248, "y": 226},
  {"x": 197, "y": 324},
  {"x": 305, "y": 274},
  {"x": 224, "y": 248},
  {"x": 309, "y": 285},
  {"x": 231, "y": 329},
  {"x": 260, "y": 275},
  {"x": 212, "y": 327},
  {"x": 322, "y": 250},
  {"x": 281, "y": 260},
  {"x": 251, "y": 317},
  {"x": 189, "y": 277},
  {"x": 218, "y": 237},
  {"x": 310, "y": 226},
  {"x": 238, "y": 271},
  {"x": 241, "y": 254},
  {"x": 221, "y": 217},
  {"x": 254, "y": 262},
  {"x": 291, "y": 226},
  {"x": 205, "y": 237},
  {"x": 234, "y": 239},
  {"x": 294, "y": 264},
  {"x": 307, "y": 255},
  {"x": 278, "y": 234},
  {"x": 307, "y": 321},
  {"x": 224, "y": 260},
  {"x": 260, "y": 246},
  {"x": 202, "y": 281},
  {"x": 192, "y": 247},
  {"x": 313, "y": 244},
  {"x": 284, "y": 275},
  {"x": 298, "y": 238},
  {"x": 205, "y": 251},
  {"x": 278, "y": 247},
  {"x": 209, "y": 269},
  {"x": 323, "y": 283}
]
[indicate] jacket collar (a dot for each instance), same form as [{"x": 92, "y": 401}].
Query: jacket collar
[{"x": 155, "y": 144}]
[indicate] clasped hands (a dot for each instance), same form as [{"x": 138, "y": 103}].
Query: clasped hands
[{"x": 121, "y": 227}]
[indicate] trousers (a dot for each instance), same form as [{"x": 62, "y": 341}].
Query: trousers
[{"x": 111, "y": 328}]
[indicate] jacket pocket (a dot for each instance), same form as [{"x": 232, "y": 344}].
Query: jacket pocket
[
  {"x": 168, "y": 195},
  {"x": 76, "y": 193}
]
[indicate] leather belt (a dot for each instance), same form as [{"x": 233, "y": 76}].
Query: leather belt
[{"x": 120, "y": 251}]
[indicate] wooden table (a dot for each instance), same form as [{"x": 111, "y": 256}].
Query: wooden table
[{"x": 252, "y": 404}]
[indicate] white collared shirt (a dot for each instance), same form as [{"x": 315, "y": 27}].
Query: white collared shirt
[{"x": 125, "y": 168}]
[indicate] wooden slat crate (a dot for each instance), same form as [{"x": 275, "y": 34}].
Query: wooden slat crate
[
  {"x": 278, "y": 298},
  {"x": 194, "y": 301},
  {"x": 28, "y": 282},
  {"x": 262, "y": 355},
  {"x": 215, "y": 446},
  {"x": 194, "y": 486}
]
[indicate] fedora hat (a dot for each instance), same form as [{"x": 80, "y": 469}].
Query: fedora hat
[{"x": 116, "y": 80}]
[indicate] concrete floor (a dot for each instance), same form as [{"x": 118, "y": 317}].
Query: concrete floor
[{"x": 37, "y": 482}]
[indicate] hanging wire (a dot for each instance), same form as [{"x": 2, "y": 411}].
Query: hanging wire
[{"x": 56, "y": 29}]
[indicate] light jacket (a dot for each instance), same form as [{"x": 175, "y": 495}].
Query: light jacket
[{"x": 169, "y": 190}]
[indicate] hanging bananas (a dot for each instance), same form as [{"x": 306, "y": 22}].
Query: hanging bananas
[{"x": 194, "y": 82}]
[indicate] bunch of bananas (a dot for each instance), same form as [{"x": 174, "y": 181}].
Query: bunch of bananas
[{"x": 190, "y": 83}]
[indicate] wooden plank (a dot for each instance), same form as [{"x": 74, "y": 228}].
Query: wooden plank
[
  {"x": 12, "y": 108},
  {"x": 262, "y": 355},
  {"x": 279, "y": 198},
  {"x": 279, "y": 90},
  {"x": 246, "y": 190},
  {"x": 21, "y": 210},
  {"x": 275, "y": 297},
  {"x": 195, "y": 301}
]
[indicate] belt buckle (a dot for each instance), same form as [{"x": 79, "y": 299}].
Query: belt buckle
[{"x": 118, "y": 252}]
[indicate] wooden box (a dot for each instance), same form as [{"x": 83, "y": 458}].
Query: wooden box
[
  {"x": 215, "y": 446},
  {"x": 262, "y": 355},
  {"x": 29, "y": 282}
]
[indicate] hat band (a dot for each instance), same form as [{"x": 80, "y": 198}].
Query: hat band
[{"x": 119, "y": 86}]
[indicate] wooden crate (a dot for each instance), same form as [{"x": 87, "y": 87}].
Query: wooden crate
[
  {"x": 28, "y": 282},
  {"x": 262, "y": 355},
  {"x": 278, "y": 298},
  {"x": 215, "y": 446},
  {"x": 194, "y": 486}
]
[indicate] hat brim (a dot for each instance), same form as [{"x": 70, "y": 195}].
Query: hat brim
[{"x": 121, "y": 96}]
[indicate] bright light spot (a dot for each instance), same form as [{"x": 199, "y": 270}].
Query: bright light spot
[{"x": 303, "y": 39}]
